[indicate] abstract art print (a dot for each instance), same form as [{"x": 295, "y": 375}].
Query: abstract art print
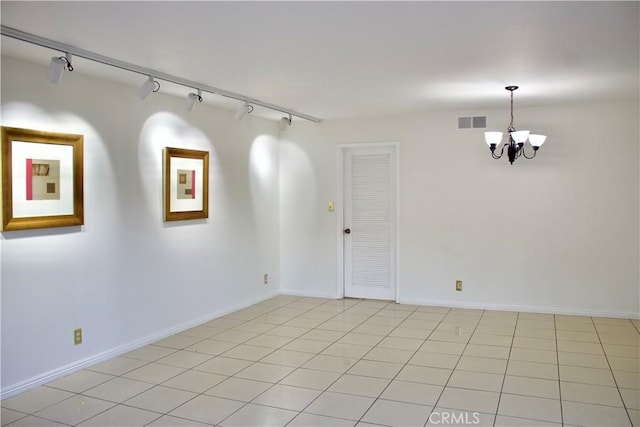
[
  {"x": 186, "y": 184},
  {"x": 42, "y": 179}
]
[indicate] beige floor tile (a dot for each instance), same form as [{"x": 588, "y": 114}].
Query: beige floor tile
[
  {"x": 622, "y": 350},
  {"x": 270, "y": 341},
  {"x": 403, "y": 391},
  {"x": 149, "y": 353},
  {"x": 532, "y": 387},
  {"x": 118, "y": 390},
  {"x": 32, "y": 421},
  {"x": 449, "y": 336},
  {"x": 535, "y": 408},
  {"x": 575, "y": 326},
  {"x": 584, "y": 414},
  {"x": 532, "y": 369},
  {"x": 247, "y": 352},
  {"x": 434, "y": 360},
  {"x": 352, "y": 351},
  {"x": 506, "y": 421},
  {"x": 469, "y": 400},
  {"x": 160, "y": 399},
  {"x": 413, "y": 333},
  {"x": 117, "y": 366},
  {"x": 169, "y": 421},
  {"x": 300, "y": 322},
  {"x": 287, "y": 331},
  {"x": 74, "y": 410},
  {"x": 392, "y": 413},
  {"x": 265, "y": 372},
  {"x": 223, "y": 366},
  {"x": 534, "y": 343},
  {"x": 184, "y": 359},
  {"x": 312, "y": 420},
  {"x": 237, "y": 337},
  {"x": 441, "y": 347},
  {"x": 491, "y": 351},
  {"x": 207, "y": 409},
  {"x": 35, "y": 399},
  {"x": 532, "y": 323},
  {"x": 195, "y": 381},
  {"x": 631, "y": 398},
  {"x": 287, "y": 397},
  {"x": 476, "y": 380},
  {"x": 577, "y": 374},
  {"x": 424, "y": 374},
  {"x": 583, "y": 360},
  {"x": 531, "y": 355},
  {"x": 360, "y": 339},
  {"x": 372, "y": 368},
  {"x": 223, "y": 323},
  {"x": 359, "y": 385},
  {"x": 627, "y": 364},
  {"x": 537, "y": 333},
  {"x": 121, "y": 416},
  {"x": 497, "y": 340},
  {"x": 383, "y": 354},
  {"x": 307, "y": 346},
  {"x": 340, "y": 405},
  {"x": 323, "y": 335},
  {"x": 495, "y": 330},
  {"x": 482, "y": 364},
  {"x": 401, "y": 343},
  {"x": 212, "y": 347},
  {"x": 287, "y": 358},
  {"x": 238, "y": 389},
  {"x": 419, "y": 324},
  {"x": 373, "y": 329},
  {"x": 80, "y": 381},
  {"x": 309, "y": 378},
  {"x": 8, "y": 416},
  {"x": 202, "y": 332},
  {"x": 330, "y": 363},
  {"x": 580, "y": 347},
  {"x": 589, "y": 393},
  {"x": 634, "y": 414},
  {"x": 154, "y": 373},
  {"x": 578, "y": 336},
  {"x": 258, "y": 415},
  {"x": 621, "y": 339},
  {"x": 627, "y": 379}
]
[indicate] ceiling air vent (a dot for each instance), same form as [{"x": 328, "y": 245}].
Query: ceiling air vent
[{"x": 478, "y": 122}]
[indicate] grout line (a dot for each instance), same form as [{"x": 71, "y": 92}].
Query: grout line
[
  {"x": 555, "y": 333},
  {"x": 506, "y": 369}
]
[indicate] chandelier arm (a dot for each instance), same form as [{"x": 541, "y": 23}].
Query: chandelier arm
[
  {"x": 493, "y": 154},
  {"x": 525, "y": 154}
]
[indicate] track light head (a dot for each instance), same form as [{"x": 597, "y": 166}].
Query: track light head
[
  {"x": 57, "y": 66},
  {"x": 244, "y": 109},
  {"x": 192, "y": 98},
  {"x": 150, "y": 85},
  {"x": 284, "y": 122}
]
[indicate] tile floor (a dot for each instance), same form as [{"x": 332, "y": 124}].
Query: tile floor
[{"x": 315, "y": 362}]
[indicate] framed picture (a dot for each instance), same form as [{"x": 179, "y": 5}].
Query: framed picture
[
  {"x": 186, "y": 184},
  {"x": 42, "y": 179}
]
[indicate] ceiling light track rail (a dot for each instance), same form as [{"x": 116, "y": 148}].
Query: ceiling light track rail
[{"x": 82, "y": 53}]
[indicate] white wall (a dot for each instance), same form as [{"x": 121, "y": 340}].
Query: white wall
[
  {"x": 126, "y": 276},
  {"x": 558, "y": 233}
]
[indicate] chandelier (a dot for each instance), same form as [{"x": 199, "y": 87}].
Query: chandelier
[{"x": 516, "y": 140}]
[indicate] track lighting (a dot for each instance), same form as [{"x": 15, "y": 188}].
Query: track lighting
[
  {"x": 150, "y": 85},
  {"x": 192, "y": 98},
  {"x": 244, "y": 109},
  {"x": 57, "y": 66},
  {"x": 284, "y": 122}
]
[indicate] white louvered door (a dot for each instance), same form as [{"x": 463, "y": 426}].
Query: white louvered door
[{"x": 369, "y": 236}]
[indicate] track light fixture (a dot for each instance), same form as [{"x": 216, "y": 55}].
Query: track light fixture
[
  {"x": 284, "y": 122},
  {"x": 244, "y": 109},
  {"x": 515, "y": 143},
  {"x": 57, "y": 66},
  {"x": 192, "y": 98},
  {"x": 150, "y": 85}
]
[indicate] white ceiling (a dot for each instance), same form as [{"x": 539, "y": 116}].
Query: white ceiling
[{"x": 354, "y": 59}]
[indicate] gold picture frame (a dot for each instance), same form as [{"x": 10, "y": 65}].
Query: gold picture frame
[
  {"x": 186, "y": 184},
  {"x": 42, "y": 179}
]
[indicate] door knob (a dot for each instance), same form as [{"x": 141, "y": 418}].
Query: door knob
[{"x": 347, "y": 231}]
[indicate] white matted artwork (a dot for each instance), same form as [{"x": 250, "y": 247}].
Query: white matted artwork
[
  {"x": 186, "y": 184},
  {"x": 42, "y": 179}
]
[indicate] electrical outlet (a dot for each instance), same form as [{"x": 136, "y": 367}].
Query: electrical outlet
[
  {"x": 77, "y": 336},
  {"x": 266, "y": 279},
  {"x": 458, "y": 285}
]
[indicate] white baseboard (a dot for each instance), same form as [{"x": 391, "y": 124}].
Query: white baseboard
[
  {"x": 521, "y": 308},
  {"x": 22, "y": 386}
]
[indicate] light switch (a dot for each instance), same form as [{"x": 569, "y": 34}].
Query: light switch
[{"x": 330, "y": 206}]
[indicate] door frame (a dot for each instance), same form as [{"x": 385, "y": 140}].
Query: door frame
[{"x": 341, "y": 148}]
